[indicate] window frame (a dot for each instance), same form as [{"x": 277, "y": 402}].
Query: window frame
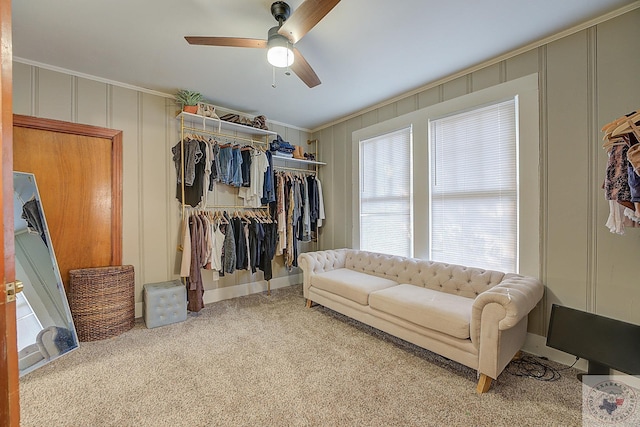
[{"x": 528, "y": 152}]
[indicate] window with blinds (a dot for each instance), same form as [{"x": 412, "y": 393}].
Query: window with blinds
[
  {"x": 474, "y": 188},
  {"x": 386, "y": 221}
]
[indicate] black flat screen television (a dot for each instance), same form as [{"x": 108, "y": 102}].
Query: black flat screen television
[{"x": 604, "y": 342}]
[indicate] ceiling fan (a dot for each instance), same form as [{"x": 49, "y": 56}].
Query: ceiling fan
[{"x": 282, "y": 38}]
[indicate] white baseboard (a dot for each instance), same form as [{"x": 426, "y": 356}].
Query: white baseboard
[
  {"x": 220, "y": 294},
  {"x": 228, "y": 292}
]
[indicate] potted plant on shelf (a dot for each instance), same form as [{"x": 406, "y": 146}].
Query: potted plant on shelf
[{"x": 189, "y": 100}]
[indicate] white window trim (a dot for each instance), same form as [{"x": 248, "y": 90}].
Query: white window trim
[{"x": 526, "y": 89}]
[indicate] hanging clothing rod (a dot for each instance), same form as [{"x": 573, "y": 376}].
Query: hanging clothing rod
[
  {"x": 224, "y": 135},
  {"x": 308, "y": 171},
  {"x": 231, "y": 207}
]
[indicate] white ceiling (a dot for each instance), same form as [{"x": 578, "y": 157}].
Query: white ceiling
[{"x": 364, "y": 51}]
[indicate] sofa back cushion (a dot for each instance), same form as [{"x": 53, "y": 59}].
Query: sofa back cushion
[{"x": 453, "y": 279}]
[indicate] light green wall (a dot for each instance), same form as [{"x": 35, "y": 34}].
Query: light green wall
[{"x": 585, "y": 80}]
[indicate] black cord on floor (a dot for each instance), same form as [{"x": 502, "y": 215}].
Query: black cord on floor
[{"x": 533, "y": 367}]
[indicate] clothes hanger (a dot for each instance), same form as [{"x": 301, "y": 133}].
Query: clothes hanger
[
  {"x": 256, "y": 216},
  {"x": 613, "y": 124},
  {"x": 627, "y": 125},
  {"x": 610, "y": 127},
  {"x": 221, "y": 218},
  {"x": 613, "y": 142},
  {"x": 266, "y": 216}
]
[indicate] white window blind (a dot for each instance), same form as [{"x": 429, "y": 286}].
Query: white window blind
[
  {"x": 474, "y": 188},
  {"x": 386, "y": 222}
]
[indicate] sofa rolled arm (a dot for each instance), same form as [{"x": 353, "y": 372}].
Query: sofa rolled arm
[
  {"x": 318, "y": 262},
  {"x": 518, "y": 295}
]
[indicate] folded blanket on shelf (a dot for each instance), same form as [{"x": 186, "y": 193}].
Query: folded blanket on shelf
[{"x": 281, "y": 146}]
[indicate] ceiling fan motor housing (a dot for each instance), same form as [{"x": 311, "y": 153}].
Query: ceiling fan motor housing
[{"x": 280, "y": 11}]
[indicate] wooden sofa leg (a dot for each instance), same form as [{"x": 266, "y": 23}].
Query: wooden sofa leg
[
  {"x": 483, "y": 384},
  {"x": 518, "y": 355},
  {"x": 309, "y": 302}
]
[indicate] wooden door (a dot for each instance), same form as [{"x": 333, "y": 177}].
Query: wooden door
[
  {"x": 9, "y": 379},
  {"x": 78, "y": 170}
]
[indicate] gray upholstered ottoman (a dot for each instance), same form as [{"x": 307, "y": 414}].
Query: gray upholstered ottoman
[{"x": 164, "y": 303}]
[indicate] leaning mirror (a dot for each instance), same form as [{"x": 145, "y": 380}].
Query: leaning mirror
[{"x": 45, "y": 326}]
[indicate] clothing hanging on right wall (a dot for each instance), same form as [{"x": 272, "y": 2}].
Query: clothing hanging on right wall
[{"x": 622, "y": 179}]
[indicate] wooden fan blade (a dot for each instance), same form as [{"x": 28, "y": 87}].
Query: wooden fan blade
[
  {"x": 305, "y": 17},
  {"x": 303, "y": 70},
  {"x": 226, "y": 41}
]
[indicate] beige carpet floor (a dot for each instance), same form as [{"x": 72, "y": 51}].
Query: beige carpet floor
[{"x": 268, "y": 361}]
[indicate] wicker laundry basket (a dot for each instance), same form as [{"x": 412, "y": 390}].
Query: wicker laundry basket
[{"x": 102, "y": 301}]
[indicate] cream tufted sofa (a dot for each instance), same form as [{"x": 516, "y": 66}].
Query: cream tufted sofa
[{"x": 473, "y": 316}]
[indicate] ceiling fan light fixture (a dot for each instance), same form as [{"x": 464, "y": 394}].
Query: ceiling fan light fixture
[{"x": 279, "y": 52}]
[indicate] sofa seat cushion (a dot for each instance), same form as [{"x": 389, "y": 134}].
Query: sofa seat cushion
[
  {"x": 350, "y": 284},
  {"x": 440, "y": 311}
]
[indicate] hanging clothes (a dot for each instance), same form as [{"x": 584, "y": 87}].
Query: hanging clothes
[
  {"x": 217, "y": 247},
  {"x": 252, "y": 195},
  {"x": 305, "y": 234},
  {"x": 206, "y": 177},
  {"x": 299, "y": 211},
  {"x": 195, "y": 288},
  {"x": 194, "y": 170},
  {"x": 192, "y": 155},
  {"x": 622, "y": 182},
  {"x": 616, "y": 185},
  {"x": 223, "y": 244},
  {"x": 312, "y": 187},
  {"x": 281, "y": 217},
  {"x": 321, "y": 213},
  {"x": 236, "y": 167},
  {"x": 185, "y": 265},
  {"x": 240, "y": 243},
  {"x": 245, "y": 167},
  {"x": 290, "y": 206},
  {"x": 206, "y": 163},
  {"x": 269, "y": 192},
  {"x": 268, "y": 249},
  {"x": 256, "y": 236},
  {"x": 229, "y": 247}
]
